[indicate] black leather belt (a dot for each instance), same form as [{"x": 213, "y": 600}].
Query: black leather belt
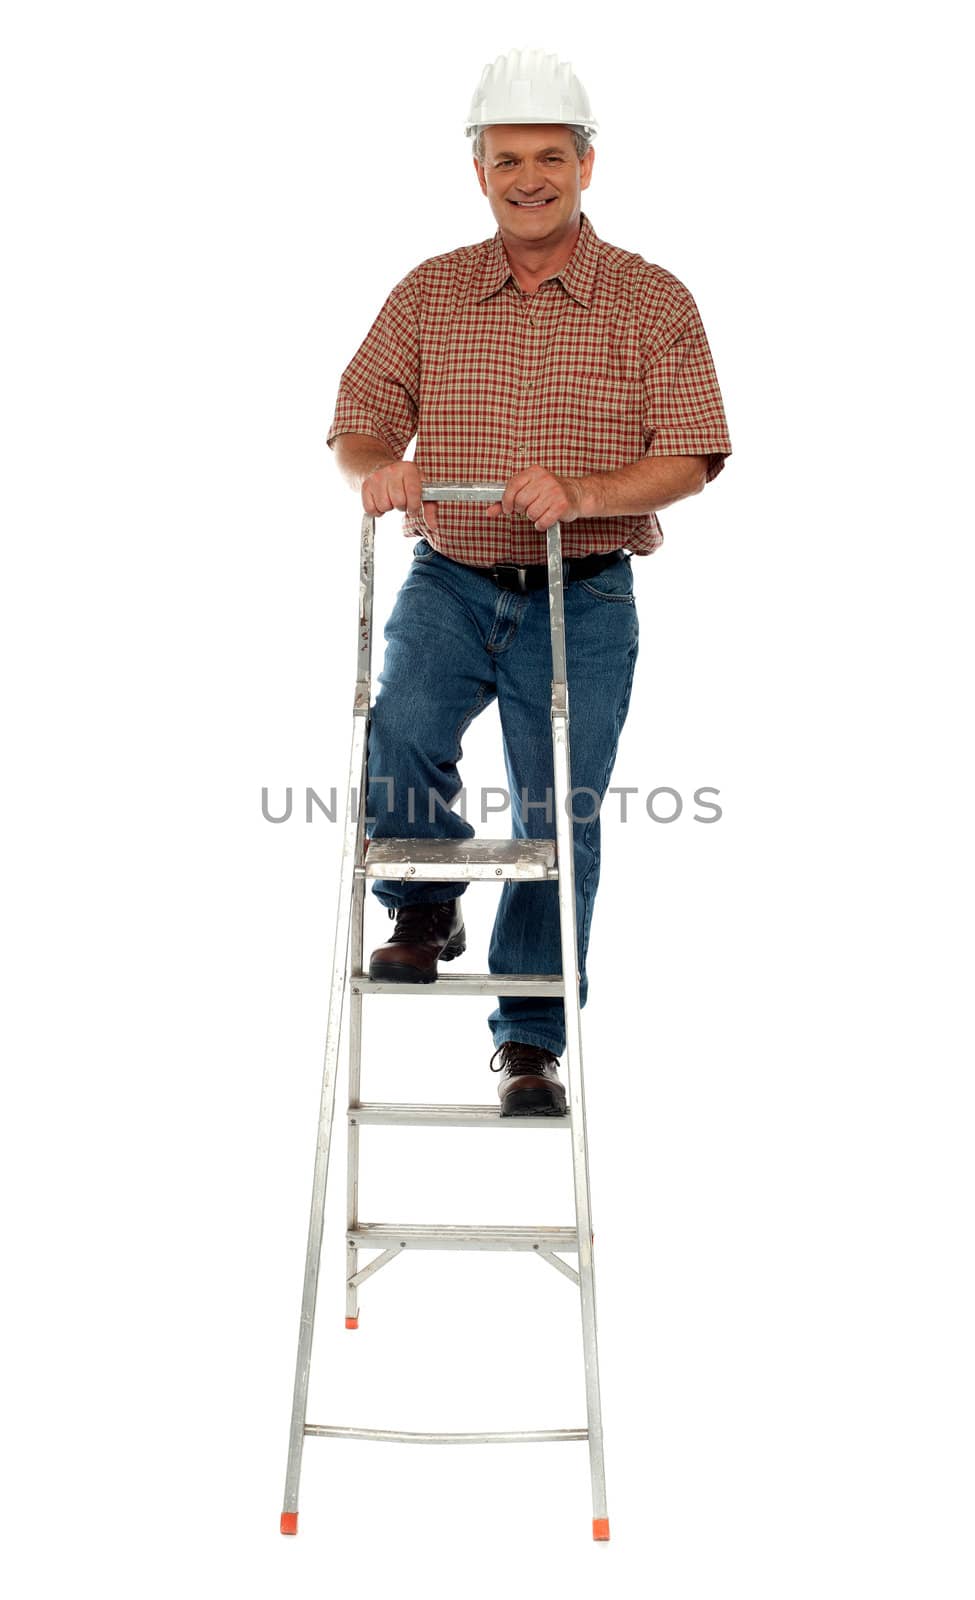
[{"x": 520, "y": 579}]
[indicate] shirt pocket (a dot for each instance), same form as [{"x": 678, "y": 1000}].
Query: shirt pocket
[{"x": 603, "y": 421}]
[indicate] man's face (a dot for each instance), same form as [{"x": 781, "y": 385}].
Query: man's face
[{"x": 533, "y": 180}]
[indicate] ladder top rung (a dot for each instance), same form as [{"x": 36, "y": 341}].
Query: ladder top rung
[{"x": 460, "y": 858}]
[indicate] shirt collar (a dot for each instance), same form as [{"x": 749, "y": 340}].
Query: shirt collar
[{"x": 577, "y": 276}]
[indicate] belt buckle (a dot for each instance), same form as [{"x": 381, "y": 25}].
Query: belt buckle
[{"x": 507, "y": 566}]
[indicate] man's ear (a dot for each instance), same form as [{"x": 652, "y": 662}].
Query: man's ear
[
  {"x": 479, "y": 169},
  {"x": 585, "y": 168}
]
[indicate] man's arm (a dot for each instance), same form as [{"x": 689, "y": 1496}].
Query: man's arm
[
  {"x": 358, "y": 454},
  {"x": 630, "y": 491},
  {"x": 386, "y": 483},
  {"x": 642, "y": 486}
]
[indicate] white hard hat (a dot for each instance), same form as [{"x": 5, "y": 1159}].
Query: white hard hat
[{"x": 529, "y": 86}]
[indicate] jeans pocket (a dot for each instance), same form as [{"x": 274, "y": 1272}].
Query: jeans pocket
[
  {"x": 422, "y": 551},
  {"x": 614, "y": 583}
]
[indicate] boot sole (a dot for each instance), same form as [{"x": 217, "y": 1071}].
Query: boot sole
[
  {"x": 532, "y": 1103},
  {"x": 396, "y": 972}
]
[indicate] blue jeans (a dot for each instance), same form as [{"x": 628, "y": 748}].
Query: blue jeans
[{"x": 455, "y": 643}]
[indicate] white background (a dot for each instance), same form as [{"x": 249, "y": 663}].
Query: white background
[{"x": 204, "y": 206}]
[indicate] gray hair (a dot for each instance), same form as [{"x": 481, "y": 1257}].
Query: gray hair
[{"x": 580, "y": 139}]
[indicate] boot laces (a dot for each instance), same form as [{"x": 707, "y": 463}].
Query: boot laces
[
  {"x": 517, "y": 1057},
  {"x": 415, "y": 923}
]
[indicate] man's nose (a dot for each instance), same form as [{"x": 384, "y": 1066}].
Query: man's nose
[{"x": 530, "y": 184}]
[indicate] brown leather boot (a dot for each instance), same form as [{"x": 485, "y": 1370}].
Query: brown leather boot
[
  {"x": 530, "y": 1084},
  {"x": 424, "y": 934}
]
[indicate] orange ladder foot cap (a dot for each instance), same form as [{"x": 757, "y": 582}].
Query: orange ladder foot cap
[
  {"x": 352, "y": 1322},
  {"x": 289, "y": 1522},
  {"x": 600, "y": 1527}
]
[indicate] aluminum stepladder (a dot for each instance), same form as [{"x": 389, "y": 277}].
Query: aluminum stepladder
[{"x": 490, "y": 860}]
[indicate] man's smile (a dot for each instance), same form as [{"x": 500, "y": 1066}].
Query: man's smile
[{"x": 529, "y": 205}]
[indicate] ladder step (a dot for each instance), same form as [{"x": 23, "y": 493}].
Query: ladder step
[
  {"x": 525, "y": 984},
  {"x": 445, "y": 860},
  {"x": 443, "y": 1116},
  {"x": 546, "y": 1435},
  {"x": 435, "y": 1236}
]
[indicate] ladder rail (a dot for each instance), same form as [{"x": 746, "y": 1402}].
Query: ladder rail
[
  {"x": 351, "y": 837},
  {"x": 353, "y": 1277},
  {"x": 562, "y": 768}
]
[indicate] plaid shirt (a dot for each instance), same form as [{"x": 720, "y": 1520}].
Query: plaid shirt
[{"x": 605, "y": 363}]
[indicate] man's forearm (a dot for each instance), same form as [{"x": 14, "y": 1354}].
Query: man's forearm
[
  {"x": 358, "y": 454},
  {"x": 642, "y": 486}
]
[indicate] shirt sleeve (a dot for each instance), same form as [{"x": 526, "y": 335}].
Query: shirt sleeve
[
  {"x": 380, "y": 388},
  {"x": 683, "y": 410}
]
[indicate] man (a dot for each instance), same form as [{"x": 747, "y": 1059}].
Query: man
[{"x": 580, "y": 376}]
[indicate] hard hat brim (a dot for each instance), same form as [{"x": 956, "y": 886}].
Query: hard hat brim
[{"x": 527, "y": 122}]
